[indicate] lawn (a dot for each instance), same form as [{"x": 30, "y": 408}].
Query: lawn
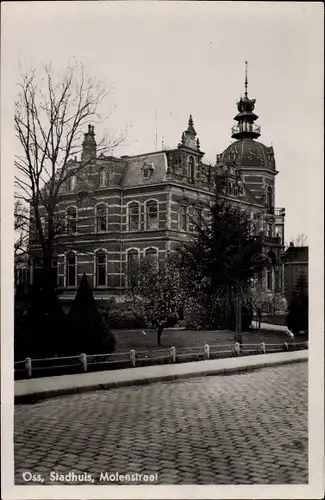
[{"x": 182, "y": 339}]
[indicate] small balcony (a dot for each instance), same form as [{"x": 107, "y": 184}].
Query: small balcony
[{"x": 280, "y": 211}]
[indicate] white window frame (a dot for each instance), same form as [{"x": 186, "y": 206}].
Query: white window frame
[
  {"x": 101, "y": 251},
  {"x": 157, "y": 254},
  {"x": 180, "y": 215},
  {"x": 66, "y": 285},
  {"x": 101, "y": 204},
  {"x": 146, "y": 213},
  {"x": 129, "y": 250},
  {"x": 67, "y": 219},
  {"x": 128, "y": 214}
]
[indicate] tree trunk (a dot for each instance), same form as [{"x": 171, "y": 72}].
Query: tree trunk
[
  {"x": 239, "y": 337},
  {"x": 259, "y": 319},
  {"x": 159, "y": 332}
]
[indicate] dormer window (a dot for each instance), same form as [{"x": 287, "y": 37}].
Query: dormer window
[{"x": 147, "y": 170}]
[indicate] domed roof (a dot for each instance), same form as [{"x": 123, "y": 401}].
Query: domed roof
[{"x": 249, "y": 153}]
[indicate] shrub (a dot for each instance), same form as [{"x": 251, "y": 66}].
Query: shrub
[
  {"x": 88, "y": 332},
  {"x": 123, "y": 319},
  {"x": 39, "y": 323}
]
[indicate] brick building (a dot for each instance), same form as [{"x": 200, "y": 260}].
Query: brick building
[
  {"x": 295, "y": 264},
  {"x": 119, "y": 209}
]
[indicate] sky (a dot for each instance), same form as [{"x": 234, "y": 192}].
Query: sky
[{"x": 167, "y": 60}]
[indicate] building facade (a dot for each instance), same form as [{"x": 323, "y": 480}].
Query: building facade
[
  {"x": 295, "y": 264},
  {"x": 120, "y": 209}
]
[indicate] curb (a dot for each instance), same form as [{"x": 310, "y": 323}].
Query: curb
[{"x": 34, "y": 397}]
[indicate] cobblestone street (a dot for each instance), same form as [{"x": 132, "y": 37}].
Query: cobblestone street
[{"x": 237, "y": 429}]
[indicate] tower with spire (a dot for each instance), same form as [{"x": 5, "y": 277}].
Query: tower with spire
[
  {"x": 246, "y": 128},
  {"x": 189, "y": 136}
]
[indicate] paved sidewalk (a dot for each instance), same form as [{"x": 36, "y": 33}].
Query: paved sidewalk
[{"x": 42, "y": 388}]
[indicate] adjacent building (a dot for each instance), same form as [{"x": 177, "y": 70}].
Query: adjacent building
[{"x": 295, "y": 265}]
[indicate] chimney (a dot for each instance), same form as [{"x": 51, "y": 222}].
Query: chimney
[{"x": 89, "y": 147}]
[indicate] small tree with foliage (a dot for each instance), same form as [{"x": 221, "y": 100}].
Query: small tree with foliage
[
  {"x": 158, "y": 293},
  {"x": 297, "y": 318},
  {"x": 87, "y": 330}
]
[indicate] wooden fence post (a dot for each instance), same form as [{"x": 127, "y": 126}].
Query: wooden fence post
[
  {"x": 28, "y": 366},
  {"x": 132, "y": 357},
  {"x": 237, "y": 348},
  {"x": 83, "y": 358},
  {"x": 173, "y": 354}
]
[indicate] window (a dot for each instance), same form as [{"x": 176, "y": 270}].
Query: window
[
  {"x": 71, "y": 220},
  {"x": 152, "y": 215},
  {"x": 269, "y": 273},
  {"x": 101, "y": 218},
  {"x": 145, "y": 172},
  {"x": 191, "y": 169},
  {"x": 269, "y": 199},
  {"x": 183, "y": 218},
  {"x": 134, "y": 217},
  {"x": 277, "y": 279},
  {"x": 278, "y": 233},
  {"x": 197, "y": 218},
  {"x": 132, "y": 261},
  {"x": 72, "y": 183},
  {"x": 71, "y": 269},
  {"x": 101, "y": 268},
  {"x": 102, "y": 177},
  {"x": 151, "y": 256},
  {"x": 55, "y": 271},
  {"x": 269, "y": 230}
]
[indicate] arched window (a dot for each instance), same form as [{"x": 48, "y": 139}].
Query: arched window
[
  {"x": 191, "y": 170},
  {"x": 101, "y": 218},
  {"x": 100, "y": 257},
  {"x": 71, "y": 220},
  {"x": 102, "y": 177},
  {"x": 132, "y": 267},
  {"x": 134, "y": 217},
  {"x": 71, "y": 273},
  {"x": 269, "y": 199},
  {"x": 72, "y": 183},
  {"x": 152, "y": 215},
  {"x": 151, "y": 256}
]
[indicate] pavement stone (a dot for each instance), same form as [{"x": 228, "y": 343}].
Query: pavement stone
[{"x": 247, "y": 428}]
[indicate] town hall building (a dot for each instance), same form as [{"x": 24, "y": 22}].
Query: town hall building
[{"x": 145, "y": 206}]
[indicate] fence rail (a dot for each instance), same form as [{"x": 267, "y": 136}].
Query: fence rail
[{"x": 131, "y": 358}]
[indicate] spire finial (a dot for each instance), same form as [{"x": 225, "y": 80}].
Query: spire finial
[
  {"x": 190, "y": 127},
  {"x": 246, "y": 81}
]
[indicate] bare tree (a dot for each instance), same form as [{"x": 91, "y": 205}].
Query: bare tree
[
  {"x": 51, "y": 113},
  {"x": 301, "y": 240}
]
